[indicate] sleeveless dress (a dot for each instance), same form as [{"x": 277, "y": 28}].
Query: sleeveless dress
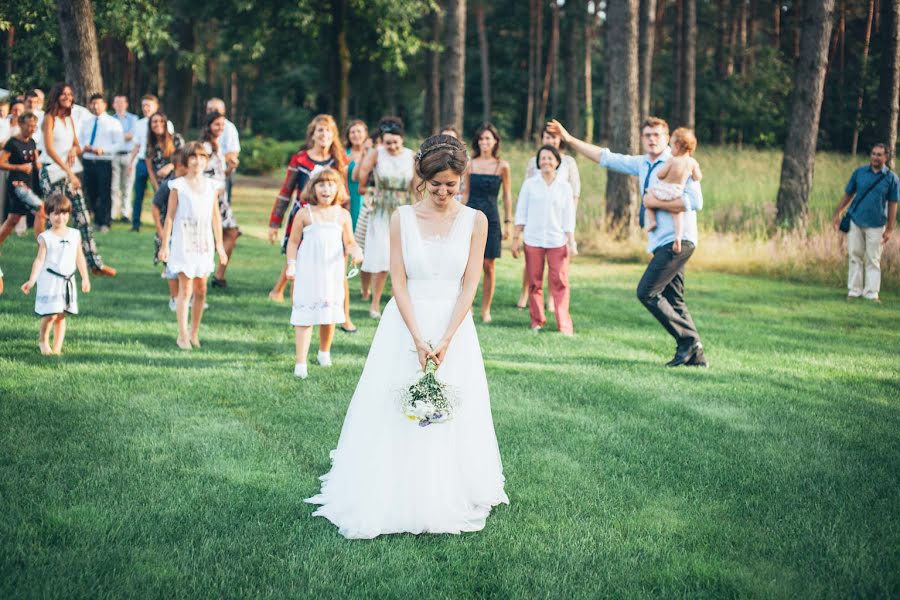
[
  {"x": 192, "y": 246},
  {"x": 393, "y": 175},
  {"x": 56, "y": 291},
  {"x": 63, "y": 140},
  {"x": 318, "y": 297},
  {"x": 388, "y": 474},
  {"x": 483, "y": 190}
]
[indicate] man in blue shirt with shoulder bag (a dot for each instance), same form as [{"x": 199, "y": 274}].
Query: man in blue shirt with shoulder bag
[{"x": 872, "y": 194}]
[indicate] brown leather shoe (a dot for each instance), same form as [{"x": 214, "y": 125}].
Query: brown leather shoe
[{"x": 104, "y": 271}]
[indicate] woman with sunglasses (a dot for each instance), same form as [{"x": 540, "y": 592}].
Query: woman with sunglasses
[{"x": 392, "y": 166}]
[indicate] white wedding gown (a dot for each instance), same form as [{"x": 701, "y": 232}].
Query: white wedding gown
[{"x": 388, "y": 474}]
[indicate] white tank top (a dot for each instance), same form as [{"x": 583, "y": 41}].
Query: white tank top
[{"x": 63, "y": 140}]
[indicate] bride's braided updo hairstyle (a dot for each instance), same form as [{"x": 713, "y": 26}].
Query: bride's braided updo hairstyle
[{"x": 440, "y": 153}]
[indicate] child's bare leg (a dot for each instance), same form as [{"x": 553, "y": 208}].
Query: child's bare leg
[
  {"x": 44, "y": 335},
  {"x": 8, "y": 226},
  {"x": 40, "y": 221},
  {"x": 277, "y": 293},
  {"x": 365, "y": 283},
  {"x": 1, "y": 285},
  {"x": 650, "y": 217},
  {"x": 302, "y": 338},
  {"x": 181, "y": 311},
  {"x": 326, "y": 336},
  {"x": 348, "y": 322},
  {"x": 173, "y": 288},
  {"x": 59, "y": 332},
  {"x": 197, "y": 309},
  {"x": 678, "y": 221}
]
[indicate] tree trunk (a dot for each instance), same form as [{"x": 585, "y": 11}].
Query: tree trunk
[
  {"x": 455, "y": 64},
  {"x": 549, "y": 68},
  {"x": 742, "y": 36},
  {"x": 182, "y": 100},
  {"x": 889, "y": 82},
  {"x": 864, "y": 63},
  {"x": 485, "y": 63},
  {"x": 751, "y": 35},
  {"x": 235, "y": 103},
  {"x": 721, "y": 59},
  {"x": 571, "y": 66},
  {"x": 678, "y": 60},
  {"x": 10, "y": 44},
  {"x": 589, "y": 25},
  {"x": 776, "y": 23},
  {"x": 689, "y": 65},
  {"x": 433, "y": 88},
  {"x": 622, "y": 66},
  {"x": 800, "y": 146},
  {"x": 538, "y": 66},
  {"x": 647, "y": 23},
  {"x": 798, "y": 25},
  {"x": 339, "y": 11},
  {"x": 161, "y": 78},
  {"x": 78, "y": 39},
  {"x": 732, "y": 37},
  {"x": 532, "y": 66}
]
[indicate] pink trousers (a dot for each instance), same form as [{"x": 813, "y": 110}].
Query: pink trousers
[{"x": 558, "y": 263}]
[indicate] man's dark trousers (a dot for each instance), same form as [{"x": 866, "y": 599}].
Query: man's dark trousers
[
  {"x": 98, "y": 189},
  {"x": 661, "y": 290}
]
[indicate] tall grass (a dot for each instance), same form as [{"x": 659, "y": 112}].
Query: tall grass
[{"x": 737, "y": 223}]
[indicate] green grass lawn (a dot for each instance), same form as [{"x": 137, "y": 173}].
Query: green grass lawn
[{"x": 132, "y": 469}]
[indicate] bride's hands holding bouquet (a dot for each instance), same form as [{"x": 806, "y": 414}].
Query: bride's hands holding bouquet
[
  {"x": 439, "y": 350},
  {"x": 423, "y": 349}
]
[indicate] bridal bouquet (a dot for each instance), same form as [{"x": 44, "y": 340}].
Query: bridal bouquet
[{"x": 428, "y": 400}]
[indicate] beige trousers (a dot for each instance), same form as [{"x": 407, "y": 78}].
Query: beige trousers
[
  {"x": 864, "y": 246},
  {"x": 122, "y": 185}
]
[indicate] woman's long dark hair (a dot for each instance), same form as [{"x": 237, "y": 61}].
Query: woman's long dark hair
[
  {"x": 476, "y": 149},
  {"x": 53, "y": 107},
  {"x": 206, "y": 133},
  {"x": 167, "y": 143}
]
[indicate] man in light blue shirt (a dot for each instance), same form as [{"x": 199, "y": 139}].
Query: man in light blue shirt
[
  {"x": 661, "y": 289},
  {"x": 122, "y": 173}
]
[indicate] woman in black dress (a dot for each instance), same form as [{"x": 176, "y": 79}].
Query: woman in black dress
[{"x": 487, "y": 173}]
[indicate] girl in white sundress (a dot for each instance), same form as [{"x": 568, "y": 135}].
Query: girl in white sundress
[
  {"x": 389, "y": 474},
  {"x": 318, "y": 263},
  {"x": 192, "y": 234},
  {"x": 59, "y": 254}
]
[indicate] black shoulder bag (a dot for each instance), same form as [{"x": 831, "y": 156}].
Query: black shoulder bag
[{"x": 845, "y": 221}]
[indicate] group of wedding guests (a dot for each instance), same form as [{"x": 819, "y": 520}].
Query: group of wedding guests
[
  {"x": 377, "y": 172},
  {"x": 92, "y": 166},
  {"x": 344, "y": 190}
]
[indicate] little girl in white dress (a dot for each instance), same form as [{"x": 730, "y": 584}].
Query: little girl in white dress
[
  {"x": 326, "y": 231},
  {"x": 193, "y": 232},
  {"x": 59, "y": 254}
]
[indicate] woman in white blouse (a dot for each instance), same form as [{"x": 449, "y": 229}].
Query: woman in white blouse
[
  {"x": 568, "y": 170},
  {"x": 545, "y": 213}
]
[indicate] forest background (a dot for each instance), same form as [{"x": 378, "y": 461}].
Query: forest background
[{"x": 764, "y": 82}]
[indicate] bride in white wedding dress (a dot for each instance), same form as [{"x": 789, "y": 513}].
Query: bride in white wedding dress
[{"x": 388, "y": 474}]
